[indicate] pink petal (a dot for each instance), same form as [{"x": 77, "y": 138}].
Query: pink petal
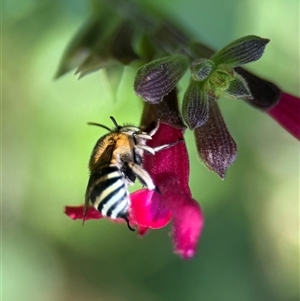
[
  {"x": 171, "y": 160},
  {"x": 147, "y": 210},
  {"x": 142, "y": 230},
  {"x": 187, "y": 217},
  {"x": 170, "y": 172},
  {"x": 187, "y": 227},
  {"x": 287, "y": 113},
  {"x": 76, "y": 212}
]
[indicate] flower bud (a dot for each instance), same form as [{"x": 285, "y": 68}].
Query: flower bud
[{"x": 156, "y": 79}]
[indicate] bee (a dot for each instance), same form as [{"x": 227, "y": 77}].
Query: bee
[{"x": 116, "y": 161}]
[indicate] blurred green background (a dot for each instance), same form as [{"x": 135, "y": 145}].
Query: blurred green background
[{"x": 250, "y": 245}]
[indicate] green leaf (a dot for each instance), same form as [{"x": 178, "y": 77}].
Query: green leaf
[
  {"x": 145, "y": 47},
  {"x": 156, "y": 79},
  {"x": 122, "y": 44},
  {"x": 238, "y": 89},
  {"x": 216, "y": 148},
  {"x": 168, "y": 38},
  {"x": 82, "y": 45},
  {"x": 196, "y": 50},
  {"x": 195, "y": 105},
  {"x": 242, "y": 51},
  {"x": 94, "y": 63},
  {"x": 116, "y": 47}
]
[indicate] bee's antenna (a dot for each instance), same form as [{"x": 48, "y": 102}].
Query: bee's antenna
[
  {"x": 114, "y": 121},
  {"x": 98, "y": 124},
  {"x": 128, "y": 224}
]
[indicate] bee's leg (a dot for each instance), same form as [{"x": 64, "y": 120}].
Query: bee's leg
[
  {"x": 153, "y": 150},
  {"x": 128, "y": 224},
  {"x": 152, "y": 132},
  {"x": 136, "y": 157},
  {"x": 142, "y": 175},
  {"x": 146, "y": 148},
  {"x": 142, "y": 135},
  {"x": 165, "y": 146}
]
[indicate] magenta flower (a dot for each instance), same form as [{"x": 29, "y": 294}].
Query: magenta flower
[
  {"x": 287, "y": 113},
  {"x": 169, "y": 170}
]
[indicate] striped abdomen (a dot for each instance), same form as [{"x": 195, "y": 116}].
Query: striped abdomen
[{"x": 109, "y": 193}]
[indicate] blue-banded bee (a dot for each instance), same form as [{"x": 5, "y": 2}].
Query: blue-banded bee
[{"x": 115, "y": 163}]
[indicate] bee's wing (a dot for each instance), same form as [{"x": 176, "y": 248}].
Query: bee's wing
[{"x": 97, "y": 173}]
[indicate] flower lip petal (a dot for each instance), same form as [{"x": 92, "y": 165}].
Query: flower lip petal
[
  {"x": 147, "y": 209},
  {"x": 188, "y": 225},
  {"x": 76, "y": 212},
  {"x": 186, "y": 215},
  {"x": 142, "y": 230},
  {"x": 170, "y": 171}
]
